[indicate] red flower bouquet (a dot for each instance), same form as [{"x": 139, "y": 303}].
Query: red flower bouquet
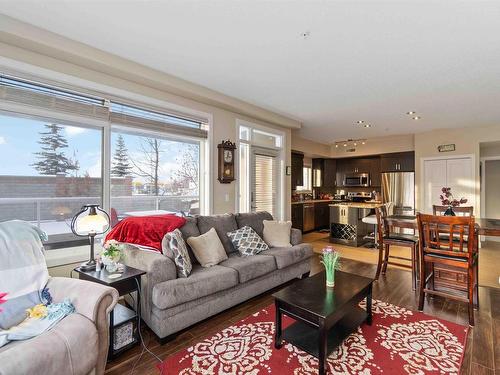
[{"x": 447, "y": 198}]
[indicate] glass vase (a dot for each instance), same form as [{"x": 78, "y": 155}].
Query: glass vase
[
  {"x": 449, "y": 211},
  {"x": 330, "y": 278}
]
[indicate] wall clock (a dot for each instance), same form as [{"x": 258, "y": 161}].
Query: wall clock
[{"x": 226, "y": 161}]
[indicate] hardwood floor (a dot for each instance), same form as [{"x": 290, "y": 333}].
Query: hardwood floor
[{"x": 482, "y": 354}]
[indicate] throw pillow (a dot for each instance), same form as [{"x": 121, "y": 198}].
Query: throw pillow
[
  {"x": 174, "y": 247},
  {"x": 247, "y": 241},
  {"x": 277, "y": 233},
  {"x": 208, "y": 248}
]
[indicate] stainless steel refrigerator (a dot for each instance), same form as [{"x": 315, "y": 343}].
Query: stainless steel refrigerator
[{"x": 399, "y": 188}]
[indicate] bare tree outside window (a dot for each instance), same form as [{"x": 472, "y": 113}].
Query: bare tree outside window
[{"x": 148, "y": 165}]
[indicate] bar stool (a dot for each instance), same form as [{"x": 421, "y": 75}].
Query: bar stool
[
  {"x": 371, "y": 220},
  {"x": 386, "y": 238}
]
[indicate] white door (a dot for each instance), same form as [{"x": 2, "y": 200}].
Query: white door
[
  {"x": 456, "y": 173},
  {"x": 434, "y": 181},
  {"x": 264, "y": 178},
  {"x": 491, "y": 172}
]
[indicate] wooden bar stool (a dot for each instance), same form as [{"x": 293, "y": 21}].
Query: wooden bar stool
[
  {"x": 450, "y": 242},
  {"x": 386, "y": 239}
]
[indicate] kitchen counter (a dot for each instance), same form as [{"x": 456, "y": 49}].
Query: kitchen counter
[
  {"x": 318, "y": 201},
  {"x": 369, "y": 205}
]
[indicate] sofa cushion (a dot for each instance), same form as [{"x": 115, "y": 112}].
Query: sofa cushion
[
  {"x": 208, "y": 248},
  {"x": 202, "y": 282},
  {"x": 254, "y": 220},
  {"x": 222, "y": 224},
  {"x": 250, "y": 267},
  {"x": 247, "y": 241},
  {"x": 190, "y": 229},
  {"x": 174, "y": 247},
  {"x": 277, "y": 233},
  {"x": 286, "y": 256},
  {"x": 57, "y": 351}
]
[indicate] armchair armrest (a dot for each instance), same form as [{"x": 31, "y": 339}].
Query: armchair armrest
[
  {"x": 158, "y": 267},
  {"x": 92, "y": 300},
  {"x": 295, "y": 236},
  {"x": 87, "y": 297}
]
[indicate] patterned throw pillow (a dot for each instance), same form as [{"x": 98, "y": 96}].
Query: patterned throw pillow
[
  {"x": 174, "y": 247},
  {"x": 247, "y": 241}
]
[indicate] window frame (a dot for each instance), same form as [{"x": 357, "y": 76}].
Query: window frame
[
  {"x": 119, "y": 96},
  {"x": 279, "y": 150}
]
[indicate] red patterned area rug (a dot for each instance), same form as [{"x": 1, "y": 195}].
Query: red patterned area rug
[{"x": 399, "y": 341}]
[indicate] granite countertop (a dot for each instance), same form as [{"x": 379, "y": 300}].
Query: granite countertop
[
  {"x": 317, "y": 201},
  {"x": 370, "y": 204}
]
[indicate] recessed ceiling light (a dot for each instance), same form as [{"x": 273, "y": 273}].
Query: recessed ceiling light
[
  {"x": 361, "y": 121},
  {"x": 416, "y": 117},
  {"x": 411, "y": 112},
  {"x": 367, "y": 126}
]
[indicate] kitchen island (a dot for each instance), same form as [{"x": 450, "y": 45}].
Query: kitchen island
[{"x": 346, "y": 225}]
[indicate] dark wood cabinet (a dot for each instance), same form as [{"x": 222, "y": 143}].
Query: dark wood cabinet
[
  {"x": 321, "y": 215},
  {"x": 359, "y": 165},
  {"x": 330, "y": 173},
  {"x": 398, "y": 162},
  {"x": 298, "y": 216},
  {"x": 297, "y": 170},
  {"x": 375, "y": 176}
]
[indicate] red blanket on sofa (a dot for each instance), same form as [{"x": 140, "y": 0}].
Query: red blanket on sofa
[{"x": 145, "y": 230}]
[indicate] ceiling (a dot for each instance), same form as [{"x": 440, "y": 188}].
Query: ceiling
[{"x": 360, "y": 60}]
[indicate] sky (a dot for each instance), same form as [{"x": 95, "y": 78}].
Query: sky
[{"x": 19, "y": 141}]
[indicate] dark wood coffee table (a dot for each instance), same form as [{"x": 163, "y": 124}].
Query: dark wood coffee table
[{"x": 324, "y": 316}]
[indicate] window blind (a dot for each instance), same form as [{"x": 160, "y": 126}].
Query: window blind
[
  {"x": 141, "y": 118},
  {"x": 38, "y": 95},
  {"x": 265, "y": 186},
  {"x": 32, "y": 94}
]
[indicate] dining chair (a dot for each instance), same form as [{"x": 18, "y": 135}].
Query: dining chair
[
  {"x": 460, "y": 211},
  {"x": 456, "y": 258},
  {"x": 387, "y": 237}
]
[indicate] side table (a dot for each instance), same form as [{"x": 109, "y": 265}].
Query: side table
[{"x": 123, "y": 321}]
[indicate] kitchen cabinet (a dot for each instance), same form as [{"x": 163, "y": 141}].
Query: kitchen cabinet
[
  {"x": 321, "y": 215},
  {"x": 358, "y": 165},
  {"x": 298, "y": 216},
  {"x": 375, "y": 176},
  {"x": 297, "y": 170},
  {"x": 330, "y": 173},
  {"x": 398, "y": 162}
]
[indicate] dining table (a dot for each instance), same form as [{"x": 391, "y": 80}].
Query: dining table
[{"x": 485, "y": 226}]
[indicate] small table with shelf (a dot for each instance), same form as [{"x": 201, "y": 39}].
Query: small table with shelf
[{"x": 128, "y": 282}]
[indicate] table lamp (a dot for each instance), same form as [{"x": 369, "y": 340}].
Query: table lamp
[{"x": 90, "y": 221}]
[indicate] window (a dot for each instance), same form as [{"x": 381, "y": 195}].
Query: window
[
  {"x": 307, "y": 174},
  {"x": 56, "y": 141},
  {"x": 49, "y": 170},
  {"x": 260, "y": 168},
  {"x": 152, "y": 173}
]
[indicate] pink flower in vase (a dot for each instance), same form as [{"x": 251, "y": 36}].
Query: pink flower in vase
[{"x": 2, "y": 300}]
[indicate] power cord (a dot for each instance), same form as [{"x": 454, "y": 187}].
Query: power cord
[{"x": 144, "y": 347}]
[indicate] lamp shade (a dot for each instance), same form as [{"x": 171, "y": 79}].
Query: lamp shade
[{"x": 90, "y": 220}]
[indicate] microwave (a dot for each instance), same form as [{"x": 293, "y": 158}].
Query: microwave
[{"x": 357, "y": 179}]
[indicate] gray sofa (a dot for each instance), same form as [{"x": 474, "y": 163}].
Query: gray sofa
[{"x": 170, "y": 304}]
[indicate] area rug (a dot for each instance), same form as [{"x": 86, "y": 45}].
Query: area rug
[{"x": 399, "y": 341}]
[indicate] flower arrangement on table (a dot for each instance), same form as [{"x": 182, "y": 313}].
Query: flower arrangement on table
[
  {"x": 111, "y": 254},
  {"x": 447, "y": 199},
  {"x": 331, "y": 260}
]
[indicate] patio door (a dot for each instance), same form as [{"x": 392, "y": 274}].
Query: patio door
[{"x": 264, "y": 181}]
